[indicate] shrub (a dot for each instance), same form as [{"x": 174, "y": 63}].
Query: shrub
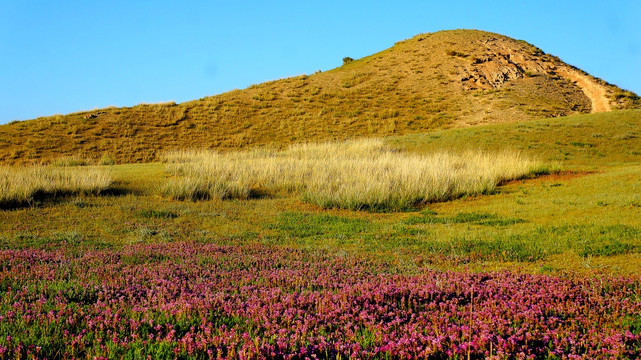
[
  {"x": 106, "y": 159},
  {"x": 456, "y": 53},
  {"x": 347, "y": 60}
]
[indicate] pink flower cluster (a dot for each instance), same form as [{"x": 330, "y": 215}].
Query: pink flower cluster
[{"x": 191, "y": 300}]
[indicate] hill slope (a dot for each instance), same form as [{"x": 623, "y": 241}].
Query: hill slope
[{"x": 439, "y": 80}]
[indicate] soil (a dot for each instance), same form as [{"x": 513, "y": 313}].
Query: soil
[{"x": 592, "y": 90}]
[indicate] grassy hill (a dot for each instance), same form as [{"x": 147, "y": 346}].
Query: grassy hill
[{"x": 432, "y": 81}]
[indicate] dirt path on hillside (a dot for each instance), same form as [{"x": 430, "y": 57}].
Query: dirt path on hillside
[{"x": 594, "y": 91}]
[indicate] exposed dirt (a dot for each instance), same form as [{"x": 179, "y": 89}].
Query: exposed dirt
[
  {"x": 597, "y": 93},
  {"x": 501, "y": 63}
]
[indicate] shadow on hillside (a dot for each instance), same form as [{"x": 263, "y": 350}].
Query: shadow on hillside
[
  {"x": 261, "y": 193},
  {"x": 120, "y": 188},
  {"x": 559, "y": 175}
]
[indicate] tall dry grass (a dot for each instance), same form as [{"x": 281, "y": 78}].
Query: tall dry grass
[
  {"x": 20, "y": 185},
  {"x": 363, "y": 174}
]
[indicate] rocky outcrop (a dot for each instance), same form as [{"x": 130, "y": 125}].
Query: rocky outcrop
[{"x": 499, "y": 64}]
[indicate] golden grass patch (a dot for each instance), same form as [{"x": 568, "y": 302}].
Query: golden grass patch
[
  {"x": 359, "y": 174},
  {"x": 19, "y": 185}
]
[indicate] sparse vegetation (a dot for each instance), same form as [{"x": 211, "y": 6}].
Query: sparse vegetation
[
  {"x": 625, "y": 99},
  {"x": 356, "y": 175}
]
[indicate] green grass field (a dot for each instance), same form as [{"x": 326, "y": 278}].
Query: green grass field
[{"x": 584, "y": 219}]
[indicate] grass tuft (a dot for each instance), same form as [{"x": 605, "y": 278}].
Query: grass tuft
[
  {"x": 106, "y": 159},
  {"x": 69, "y": 161},
  {"x": 157, "y": 214},
  {"x": 24, "y": 185}
]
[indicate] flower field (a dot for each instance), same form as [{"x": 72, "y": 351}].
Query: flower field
[{"x": 199, "y": 300}]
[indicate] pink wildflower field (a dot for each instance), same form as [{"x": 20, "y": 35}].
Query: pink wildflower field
[{"x": 205, "y": 301}]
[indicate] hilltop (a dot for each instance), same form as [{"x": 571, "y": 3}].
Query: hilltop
[{"x": 455, "y": 78}]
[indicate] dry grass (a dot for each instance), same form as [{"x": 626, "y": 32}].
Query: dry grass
[
  {"x": 23, "y": 185},
  {"x": 363, "y": 174},
  {"x": 70, "y": 161}
]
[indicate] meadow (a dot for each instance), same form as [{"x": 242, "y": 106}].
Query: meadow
[{"x": 543, "y": 266}]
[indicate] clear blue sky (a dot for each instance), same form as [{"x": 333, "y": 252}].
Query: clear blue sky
[{"x": 66, "y": 56}]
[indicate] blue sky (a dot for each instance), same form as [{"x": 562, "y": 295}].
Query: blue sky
[{"x": 66, "y": 56}]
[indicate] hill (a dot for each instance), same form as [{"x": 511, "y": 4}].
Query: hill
[{"x": 440, "y": 80}]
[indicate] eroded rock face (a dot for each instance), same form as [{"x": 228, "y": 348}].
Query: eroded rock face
[
  {"x": 499, "y": 61},
  {"x": 499, "y": 64}
]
